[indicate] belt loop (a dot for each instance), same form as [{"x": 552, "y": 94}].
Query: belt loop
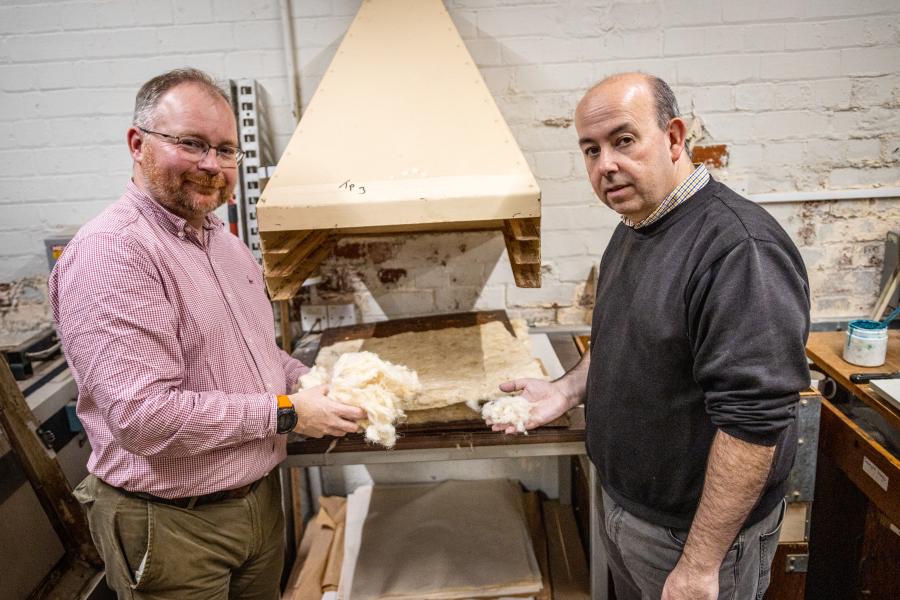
[{"x": 192, "y": 502}]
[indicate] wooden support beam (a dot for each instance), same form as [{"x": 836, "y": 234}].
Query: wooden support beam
[
  {"x": 538, "y": 534},
  {"x": 289, "y": 242},
  {"x": 43, "y": 471},
  {"x": 287, "y": 286},
  {"x": 274, "y": 242},
  {"x": 296, "y": 476},
  {"x": 527, "y": 276},
  {"x": 568, "y": 565},
  {"x": 302, "y": 248},
  {"x": 524, "y": 253},
  {"x": 287, "y": 335},
  {"x": 525, "y": 229}
]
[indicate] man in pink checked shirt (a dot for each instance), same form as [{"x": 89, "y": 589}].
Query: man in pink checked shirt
[{"x": 183, "y": 392}]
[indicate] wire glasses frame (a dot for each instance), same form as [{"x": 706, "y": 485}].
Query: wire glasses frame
[{"x": 226, "y": 154}]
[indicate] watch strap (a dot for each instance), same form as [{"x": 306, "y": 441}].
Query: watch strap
[{"x": 286, "y": 415}]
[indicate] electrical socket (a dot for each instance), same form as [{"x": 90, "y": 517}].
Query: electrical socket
[
  {"x": 314, "y": 317},
  {"x": 340, "y": 315}
]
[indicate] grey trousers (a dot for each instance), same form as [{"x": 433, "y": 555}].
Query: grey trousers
[
  {"x": 641, "y": 555},
  {"x": 222, "y": 550}
]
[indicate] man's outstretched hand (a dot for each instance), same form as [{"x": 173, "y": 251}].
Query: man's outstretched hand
[{"x": 547, "y": 402}]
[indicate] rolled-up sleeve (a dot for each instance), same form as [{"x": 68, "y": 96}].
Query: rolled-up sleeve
[{"x": 749, "y": 317}]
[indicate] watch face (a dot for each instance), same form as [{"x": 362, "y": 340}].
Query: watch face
[{"x": 287, "y": 420}]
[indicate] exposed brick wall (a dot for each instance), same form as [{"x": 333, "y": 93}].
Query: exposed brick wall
[{"x": 804, "y": 96}]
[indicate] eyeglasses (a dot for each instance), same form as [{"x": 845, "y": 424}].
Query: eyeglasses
[{"x": 227, "y": 155}]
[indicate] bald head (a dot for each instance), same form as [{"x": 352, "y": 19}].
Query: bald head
[{"x": 665, "y": 106}]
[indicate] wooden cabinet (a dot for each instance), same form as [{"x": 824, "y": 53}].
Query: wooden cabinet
[{"x": 854, "y": 535}]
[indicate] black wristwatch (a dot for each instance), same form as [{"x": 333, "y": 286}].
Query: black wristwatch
[{"x": 287, "y": 415}]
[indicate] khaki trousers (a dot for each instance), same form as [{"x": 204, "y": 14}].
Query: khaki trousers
[{"x": 223, "y": 550}]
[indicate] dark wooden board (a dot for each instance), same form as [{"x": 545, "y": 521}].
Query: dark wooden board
[
  {"x": 880, "y": 554},
  {"x": 835, "y": 540},
  {"x": 854, "y": 451},
  {"x": 424, "y": 323},
  {"x": 434, "y": 438},
  {"x": 784, "y": 584}
]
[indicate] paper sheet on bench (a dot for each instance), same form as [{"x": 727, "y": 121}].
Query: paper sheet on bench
[
  {"x": 455, "y": 365},
  {"x": 456, "y": 539}
]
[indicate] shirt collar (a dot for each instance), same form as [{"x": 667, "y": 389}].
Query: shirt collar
[
  {"x": 684, "y": 190},
  {"x": 166, "y": 218}
]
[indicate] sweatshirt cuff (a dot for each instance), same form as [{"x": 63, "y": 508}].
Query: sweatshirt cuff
[{"x": 760, "y": 438}]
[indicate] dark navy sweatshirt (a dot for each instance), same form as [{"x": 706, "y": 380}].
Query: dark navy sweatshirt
[{"x": 700, "y": 325}]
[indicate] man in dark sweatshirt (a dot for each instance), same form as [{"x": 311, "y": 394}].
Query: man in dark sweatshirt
[{"x": 697, "y": 358}]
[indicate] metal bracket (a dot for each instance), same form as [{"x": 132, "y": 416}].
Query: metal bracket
[
  {"x": 796, "y": 563},
  {"x": 802, "y": 479}
]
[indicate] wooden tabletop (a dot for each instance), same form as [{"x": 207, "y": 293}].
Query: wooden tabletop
[
  {"x": 826, "y": 349},
  {"x": 419, "y": 440},
  {"x": 463, "y": 434}
]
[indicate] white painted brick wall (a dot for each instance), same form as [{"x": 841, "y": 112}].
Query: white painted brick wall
[{"x": 806, "y": 95}]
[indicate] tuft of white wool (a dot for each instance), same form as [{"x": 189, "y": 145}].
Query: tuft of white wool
[
  {"x": 514, "y": 410},
  {"x": 377, "y": 386}
]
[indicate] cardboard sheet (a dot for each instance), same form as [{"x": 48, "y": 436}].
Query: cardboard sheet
[
  {"x": 322, "y": 544},
  {"x": 456, "y": 539}
]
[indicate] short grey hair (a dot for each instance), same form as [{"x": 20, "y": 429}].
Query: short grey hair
[
  {"x": 150, "y": 93},
  {"x": 666, "y": 104}
]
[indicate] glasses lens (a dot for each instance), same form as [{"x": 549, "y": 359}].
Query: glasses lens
[
  {"x": 229, "y": 153},
  {"x": 192, "y": 146}
]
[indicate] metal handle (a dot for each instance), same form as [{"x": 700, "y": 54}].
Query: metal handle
[{"x": 866, "y": 377}]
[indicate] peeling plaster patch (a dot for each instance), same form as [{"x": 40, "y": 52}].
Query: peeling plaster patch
[
  {"x": 872, "y": 255},
  {"x": 842, "y": 242},
  {"x": 574, "y": 316},
  {"x": 391, "y": 276},
  {"x": 337, "y": 285},
  {"x": 563, "y": 122},
  {"x": 535, "y": 317},
  {"x": 713, "y": 156},
  {"x": 810, "y": 214},
  {"x": 352, "y": 250},
  {"x": 380, "y": 252},
  {"x": 24, "y": 309}
]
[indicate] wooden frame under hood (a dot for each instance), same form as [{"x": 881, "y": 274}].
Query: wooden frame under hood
[{"x": 401, "y": 136}]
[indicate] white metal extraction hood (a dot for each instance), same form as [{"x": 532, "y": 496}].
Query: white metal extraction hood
[{"x": 402, "y": 135}]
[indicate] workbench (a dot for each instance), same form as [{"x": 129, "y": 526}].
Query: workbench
[
  {"x": 471, "y": 443},
  {"x": 854, "y": 536}
]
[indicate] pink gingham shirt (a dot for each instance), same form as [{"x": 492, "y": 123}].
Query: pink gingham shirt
[{"x": 172, "y": 345}]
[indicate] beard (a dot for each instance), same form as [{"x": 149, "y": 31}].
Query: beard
[{"x": 191, "y": 196}]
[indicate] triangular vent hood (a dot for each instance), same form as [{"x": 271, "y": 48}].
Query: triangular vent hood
[{"x": 402, "y": 135}]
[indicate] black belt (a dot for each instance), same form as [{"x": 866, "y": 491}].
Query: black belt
[{"x": 192, "y": 501}]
